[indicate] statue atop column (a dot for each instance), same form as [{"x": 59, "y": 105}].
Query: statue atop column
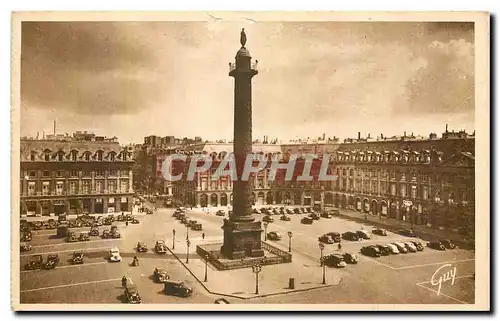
[{"x": 243, "y": 38}]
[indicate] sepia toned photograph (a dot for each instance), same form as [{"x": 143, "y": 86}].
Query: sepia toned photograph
[{"x": 263, "y": 161}]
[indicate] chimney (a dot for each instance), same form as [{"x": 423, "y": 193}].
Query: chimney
[
  {"x": 411, "y": 134},
  {"x": 368, "y": 135},
  {"x": 446, "y": 128},
  {"x": 37, "y": 135},
  {"x": 54, "y": 127},
  {"x": 359, "y": 135},
  {"x": 381, "y": 135}
]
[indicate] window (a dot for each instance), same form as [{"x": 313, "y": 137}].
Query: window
[
  {"x": 46, "y": 174},
  {"x": 32, "y": 157},
  {"x": 99, "y": 155},
  {"x": 74, "y": 173},
  {"x": 32, "y": 174},
  {"x": 112, "y": 186},
  {"x": 99, "y": 172},
  {"x": 124, "y": 186},
  {"x": 125, "y": 156},
  {"x": 413, "y": 191},
  {"x": 124, "y": 173},
  {"x": 73, "y": 187},
  {"x": 60, "y": 156},
  {"x": 425, "y": 192},
  {"x": 403, "y": 190},
  {"x": 31, "y": 189},
  {"x": 45, "y": 188},
  {"x": 393, "y": 189},
  {"x": 47, "y": 157},
  {"x": 59, "y": 188},
  {"x": 112, "y": 173},
  {"x": 86, "y": 156},
  {"x": 86, "y": 174},
  {"x": 59, "y": 174},
  {"x": 74, "y": 155},
  {"x": 351, "y": 172},
  {"x": 112, "y": 156},
  {"x": 85, "y": 187},
  {"x": 99, "y": 186}
]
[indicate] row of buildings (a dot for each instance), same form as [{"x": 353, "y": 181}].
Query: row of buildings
[{"x": 420, "y": 180}]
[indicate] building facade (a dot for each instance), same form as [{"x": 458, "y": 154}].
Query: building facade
[{"x": 75, "y": 176}]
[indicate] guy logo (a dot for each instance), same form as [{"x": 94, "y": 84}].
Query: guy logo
[{"x": 439, "y": 277}]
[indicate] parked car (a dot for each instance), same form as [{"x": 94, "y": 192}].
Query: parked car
[
  {"x": 132, "y": 294},
  {"x": 25, "y": 247},
  {"x": 77, "y": 257},
  {"x": 371, "y": 250},
  {"x": 335, "y": 260},
  {"x": 407, "y": 232},
  {"x": 160, "y": 247},
  {"x": 306, "y": 220},
  {"x": 160, "y": 275},
  {"x": 83, "y": 237},
  {"x": 436, "y": 245},
  {"x": 52, "y": 261},
  {"x": 141, "y": 247},
  {"x": 285, "y": 218},
  {"x": 309, "y": 210},
  {"x": 379, "y": 231},
  {"x": 363, "y": 235},
  {"x": 255, "y": 211},
  {"x": 94, "y": 231},
  {"x": 267, "y": 219},
  {"x": 71, "y": 237},
  {"x": 34, "y": 263},
  {"x": 114, "y": 255},
  {"x": 289, "y": 211},
  {"x": 134, "y": 221},
  {"x": 350, "y": 236},
  {"x": 448, "y": 244},
  {"x": 350, "y": 258},
  {"x": 314, "y": 216},
  {"x": 393, "y": 248},
  {"x": 114, "y": 233},
  {"x": 418, "y": 245},
  {"x": 178, "y": 288},
  {"x": 26, "y": 236},
  {"x": 274, "y": 236},
  {"x": 401, "y": 247},
  {"x": 296, "y": 210},
  {"x": 384, "y": 249},
  {"x": 62, "y": 219},
  {"x": 335, "y": 236},
  {"x": 410, "y": 247},
  {"x": 303, "y": 210},
  {"x": 326, "y": 214},
  {"x": 325, "y": 238},
  {"x": 106, "y": 234},
  {"x": 220, "y": 213},
  {"x": 335, "y": 212},
  {"x": 197, "y": 227}
]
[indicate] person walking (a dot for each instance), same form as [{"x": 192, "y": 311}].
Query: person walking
[
  {"x": 203, "y": 235},
  {"x": 126, "y": 223},
  {"x": 339, "y": 246},
  {"x": 124, "y": 281}
]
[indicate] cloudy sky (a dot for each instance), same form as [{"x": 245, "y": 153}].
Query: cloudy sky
[{"x": 133, "y": 79}]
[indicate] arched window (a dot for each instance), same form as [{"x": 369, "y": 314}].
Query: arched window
[
  {"x": 99, "y": 155},
  {"x": 112, "y": 156},
  {"x": 86, "y": 156},
  {"x": 46, "y": 155},
  {"x": 33, "y": 156},
  {"x": 74, "y": 155},
  {"x": 60, "y": 156},
  {"x": 124, "y": 155}
]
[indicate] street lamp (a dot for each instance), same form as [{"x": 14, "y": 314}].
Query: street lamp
[
  {"x": 257, "y": 268},
  {"x": 265, "y": 230},
  {"x": 322, "y": 261},
  {"x": 290, "y": 234},
  {"x": 206, "y": 266},
  {"x": 188, "y": 243},
  {"x": 187, "y": 231},
  {"x": 173, "y": 239}
]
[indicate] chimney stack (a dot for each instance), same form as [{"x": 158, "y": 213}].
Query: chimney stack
[
  {"x": 54, "y": 127},
  {"x": 368, "y": 135},
  {"x": 446, "y": 128},
  {"x": 381, "y": 135},
  {"x": 359, "y": 135},
  {"x": 404, "y": 134}
]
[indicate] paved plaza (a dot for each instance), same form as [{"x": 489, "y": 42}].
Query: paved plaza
[{"x": 404, "y": 278}]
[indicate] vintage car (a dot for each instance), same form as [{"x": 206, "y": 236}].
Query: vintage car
[
  {"x": 314, "y": 216},
  {"x": 120, "y": 218},
  {"x": 379, "y": 231},
  {"x": 335, "y": 236},
  {"x": 190, "y": 223},
  {"x": 363, "y": 235},
  {"x": 296, "y": 210},
  {"x": 111, "y": 217},
  {"x": 371, "y": 250},
  {"x": 326, "y": 214},
  {"x": 77, "y": 257},
  {"x": 335, "y": 260},
  {"x": 52, "y": 261},
  {"x": 436, "y": 246},
  {"x": 220, "y": 213},
  {"x": 335, "y": 212},
  {"x": 114, "y": 255},
  {"x": 350, "y": 258},
  {"x": 407, "y": 232},
  {"x": 62, "y": 219},
  {"x": 141, "y": 247},
  {"x": 306, "y": 220},
  {"x": 273, "y": 236},
  {"x": 160, "y": 275},
  {"x": 132, "y": 294},
  {"x": 289, "y": 211},
  {"x": 325, "y": 238},
  {"x": 448, "y": 244},
  {"x": 184, "y": 220},
  {"x": 36, "y": 262},
  {"x": 25, "y": 247},
  {"x": 106, "y": 234},
  {"x": 393, "y": 248},
  {"x": 26, "y": 236},
  {"x": 71, "y": 237},
  {"x": 401, "y": 247},
  {"x": 129, "y": 217},
  {"x": 94, "y": 231},
  {"x": 267, "y": 219},
  {"x": 418, "y": 245},
  {"x": 178, "y": 288},
  {"x": 410, "y": 247},
  {"x": 197, "y": 227},
  {"x": 309, "y": 210},
  {"x": 83, "y": 237},
  {"x": 350, "y": 236},
  {"x": 52, "y": 224},
  {"x": 134, "y": 221},
  {"x": 285, "y": 218},
  {"x": 384, "y": 249},
  {"x": 149, "y": 211},
  {"x": 160, "y": 247},
  {"x": 114, "y": 233}
]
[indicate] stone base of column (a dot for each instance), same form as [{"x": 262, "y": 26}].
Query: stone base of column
[{"x": 242, "y": 239}]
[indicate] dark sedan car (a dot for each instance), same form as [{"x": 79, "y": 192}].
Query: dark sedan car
[
  {"x": 350, "y": 258},
  {"x": 448, "y": 244},
  {"x": 350, "y": 236},
  {"x": 407, "y": 232},
  {"x": 372, "y": 251},
  {"x": 306, "y": 220},
  {"x": 418, "y": 245},
  {"x": 436, "y": 246},
  {"x": 267, "y": 219},
  {"x": 384, "y": 249},
  {"x": 314, "y": 216},
  {"x": 379, "y": 231}
]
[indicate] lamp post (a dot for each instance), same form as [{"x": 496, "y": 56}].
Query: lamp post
[
  {"x": 290, "y": 234},
  {"x": 257, "y": 268},
  {"x": 173, "y": 239},
  {"x": 187, "y": 231},
  {"x": 206, "y": 267},
  {"x": 322, "y": 247},
  {"x": 265, "y": 230},
  {"x": 188, "y": 243}
]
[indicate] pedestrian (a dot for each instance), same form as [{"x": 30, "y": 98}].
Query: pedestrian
[
  {"x": 124, "y": 281},
  {"x": 203, "y": 235},
  {"x": 339, "y": 246},
  {"x": 126, "y": 223}
]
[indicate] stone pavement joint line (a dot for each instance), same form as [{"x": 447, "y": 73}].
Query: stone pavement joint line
[
  {"x": 432, "y": 290},
  {"x": 69, "y": 285},
  {"x": 70, "y": 266}
]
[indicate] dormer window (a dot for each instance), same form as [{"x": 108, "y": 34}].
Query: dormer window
[
  {"x": 32, "y": 157},
  {"x": 74, "y": 155},
  {"x": 86, "y": 156},
  {"x": 47, "y": 157},
  {"x": 99, "y": 155},
  {"x": 60, "y": 156},
  {"x": 112, "y": 156}
]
